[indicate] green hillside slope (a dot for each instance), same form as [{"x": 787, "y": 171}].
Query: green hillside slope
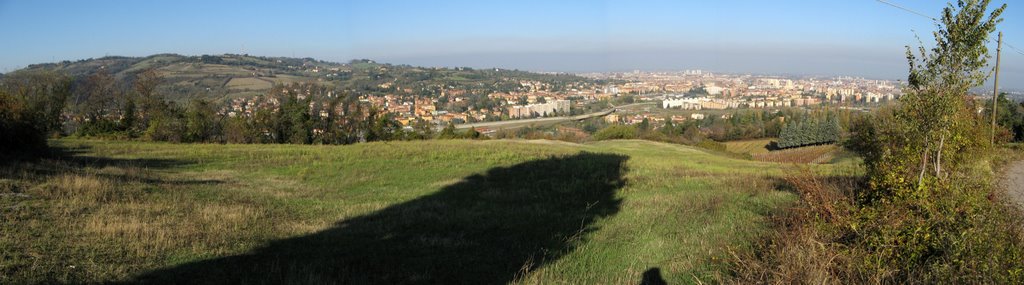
[
  {"x": 220, "y": 77},
  {"x": 398, "y": 212}
]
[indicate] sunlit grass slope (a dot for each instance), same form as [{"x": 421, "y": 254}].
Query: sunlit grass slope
[{"x": 397, "y": 212}]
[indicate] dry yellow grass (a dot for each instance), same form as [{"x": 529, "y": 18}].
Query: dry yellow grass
[{"x": 75, "y": 187}]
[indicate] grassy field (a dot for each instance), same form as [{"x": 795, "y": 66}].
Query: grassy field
[
  {"x": 752, "y": 147},
  {"x": 478, "y": 212}
]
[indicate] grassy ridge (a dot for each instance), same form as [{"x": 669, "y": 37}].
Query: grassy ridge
[
  {"x": 435, "y": 211},
  {"x": 217, "y": 77}
]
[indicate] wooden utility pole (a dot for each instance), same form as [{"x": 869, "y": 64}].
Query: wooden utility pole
[{"x": 995, "y": 91}]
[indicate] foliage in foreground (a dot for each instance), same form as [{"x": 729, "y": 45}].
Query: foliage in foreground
[
  {"x": 830, "y": 237},
  {"x": 926, "y": 211},
  {"x": 30, "y": 109},
  {"x": 1009, "y": 117}
]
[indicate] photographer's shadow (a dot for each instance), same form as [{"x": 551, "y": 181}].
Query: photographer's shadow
[{"x": 486, "y": 229}]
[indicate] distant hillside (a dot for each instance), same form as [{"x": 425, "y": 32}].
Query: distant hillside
[{"x": 227, "y": 76}]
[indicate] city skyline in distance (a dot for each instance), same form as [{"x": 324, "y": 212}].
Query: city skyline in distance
[{"x": 854, "y": 38}]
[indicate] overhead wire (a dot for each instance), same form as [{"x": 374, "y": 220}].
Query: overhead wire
[
  {"x": 908, "y": 10},
  {"x": 1013, "y": 48}
]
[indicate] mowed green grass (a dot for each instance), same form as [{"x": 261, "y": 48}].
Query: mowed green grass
[{"x": 535, "y": 212}]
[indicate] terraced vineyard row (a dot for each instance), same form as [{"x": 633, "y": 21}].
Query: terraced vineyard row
[{"x": 809, "y": 154}]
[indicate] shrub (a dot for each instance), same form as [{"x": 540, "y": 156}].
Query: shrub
[
  {"x": 31, "y": 104},
  {"x": 472, "y": 133},
  {"x": 169, "y": 128},
  {"x": 238, "y": 130},
  {"x": 448, "y": 132},
  {"x": 616, "y": 132},
  {"x": 927, "y": 212},
  {"x": 830, "y": 237}
]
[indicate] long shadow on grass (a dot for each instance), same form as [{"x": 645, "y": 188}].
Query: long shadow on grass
[
  {"x": 77, "y": 156},
  {"x": 74, "y": 159},
  {"x": 486, "y": 229}
]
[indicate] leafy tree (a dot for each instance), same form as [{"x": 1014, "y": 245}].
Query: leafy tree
[
  {"x": 100, "y": 94},
  {"x": 810, "y": 131},
  {"x": 669, "y": 128},
  {"x": 265, "y": 123},
  {"x": 934, "y": 130},
  {"x": 211, "y": 59},
  {"x": 422, "y": 130},
  {"x": 201, "y": 122},
  {"x": 31, "y": 103},
  {"x": 691, "y": 132},
  {"x": 1010, "y": 117},
  {"x": 151, "y": 103},
  {"x": 644, "y": 125},
  {"x": 381, "y": 127},
  {"x": 472, "y": 133},
  {"x": 238, "y": 130},
  {"x": 129, "y": 115},
  {"x": 448, "y": 132},
  {"x": 831, "y": 130},
  {"x": 296, "y": 120},
  {"x": 169, "y": 126},
  {"x": 928, "y": 201},
  {"x": 863, "y": 131}
]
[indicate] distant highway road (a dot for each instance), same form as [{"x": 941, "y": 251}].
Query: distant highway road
[{"x": 527, "y": 122}]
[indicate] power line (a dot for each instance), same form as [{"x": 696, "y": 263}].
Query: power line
[
  {"x": 906, "y": 9},
  {"x": 934, "y": 19},
  {"x": 1014, "y": 48}
]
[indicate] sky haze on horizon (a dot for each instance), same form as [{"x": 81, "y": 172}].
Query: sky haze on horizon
[{"x": 857, "y": 37}]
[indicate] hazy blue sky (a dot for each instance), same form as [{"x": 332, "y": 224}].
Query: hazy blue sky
[{"x": 826, "y": 37}]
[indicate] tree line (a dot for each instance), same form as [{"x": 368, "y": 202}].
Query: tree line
[
  {"x": 757, "y": 124},
  {"x": 35, "y": 105},
  {"x": 295, "y": 114},
  {"x": 810, "y": 132},
  {"x": 1009, "y": 118}
]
